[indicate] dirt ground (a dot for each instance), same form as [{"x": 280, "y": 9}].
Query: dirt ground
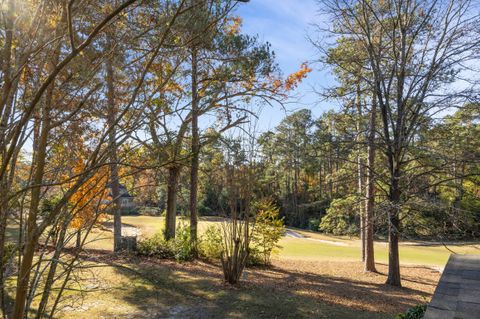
[
  {"x": 152, "y": 288},
  {"x": 345, "y": 283}
]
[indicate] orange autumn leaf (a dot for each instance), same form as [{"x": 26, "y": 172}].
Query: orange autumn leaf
[
  {"x": 294, "y": 79},
  {"x": 233, "y": 28}
]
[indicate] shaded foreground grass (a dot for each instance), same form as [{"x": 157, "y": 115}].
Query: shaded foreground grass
[{"x": 148, "y": 288}]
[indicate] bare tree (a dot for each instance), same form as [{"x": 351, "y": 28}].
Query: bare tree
[{"x": 415, "y": 49}]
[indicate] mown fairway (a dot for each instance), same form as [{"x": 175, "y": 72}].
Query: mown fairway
[{"x": 314, "y": 246}]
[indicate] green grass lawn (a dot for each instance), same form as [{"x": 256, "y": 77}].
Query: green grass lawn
[{"x": 316, "y": 246}]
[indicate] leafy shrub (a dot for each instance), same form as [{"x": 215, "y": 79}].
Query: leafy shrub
[
  {"x": 255, "y": 257},
  {"x": 340, "y": 217},
  {"x": 156, "y": 246},
  {"x": 268, "y": 230},
  {"x": 178, "y": 248},
  {"x": 182, "y": 247},
  {"x": 416, "y": 312},
  {"x": 210, "y": 245},
  {"x": 149, "y": 211},
  {"x": 48, "y": 204}
]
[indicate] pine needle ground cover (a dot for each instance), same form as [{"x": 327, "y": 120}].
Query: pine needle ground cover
[{"x": 315, "y": 276}]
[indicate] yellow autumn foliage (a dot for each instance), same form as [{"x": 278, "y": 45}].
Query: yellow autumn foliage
[{"x": 87, "y": 200}]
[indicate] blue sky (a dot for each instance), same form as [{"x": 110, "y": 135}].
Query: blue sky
[{"x": 286, "y": 24}]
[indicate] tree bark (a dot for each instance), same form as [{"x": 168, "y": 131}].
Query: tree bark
[
  {"x": 114, "y": 178},
  {"x": 7, "y": 56},
  {"x": 171, "y": 218},
  {"x": 39, "y": 161},
  {"x": 360, "y": 172},
  {"x": 393, "y": 233},
  {"x": 195, "y": 154},
  {"x": 320, "y": 181},
  {"x": 4, "y": 115},
  {"x": 370, "y": 192},
  {"x": 32, "y": 235}
]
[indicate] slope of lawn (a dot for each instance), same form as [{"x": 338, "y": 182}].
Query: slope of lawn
[
  {"x": 320, "y": 247},
  {"x": 316, "y": 246}
]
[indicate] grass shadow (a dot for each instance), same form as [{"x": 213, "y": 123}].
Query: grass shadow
[{"x": 164, "y": 289}]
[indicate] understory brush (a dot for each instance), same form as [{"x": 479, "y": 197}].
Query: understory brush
[{"x": 178, "y": 248}]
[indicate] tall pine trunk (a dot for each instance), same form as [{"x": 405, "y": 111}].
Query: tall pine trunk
[
  {"x": 360, "y": 172},
  {"x": 112, "y": 144},
  {"x": 370, "y": 192},
  {"x": 195, "y": 154},
  {"x": 394, "y": 231}
]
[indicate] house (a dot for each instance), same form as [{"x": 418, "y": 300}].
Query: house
[{"x": 126, "y": 200}]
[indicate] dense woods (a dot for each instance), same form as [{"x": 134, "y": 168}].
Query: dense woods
[{"x": 161, "y": 98}]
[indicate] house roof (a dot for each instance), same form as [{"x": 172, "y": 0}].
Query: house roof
[
  {"x": 123, "y": 192},
  {"x": 458, "y": 292}
]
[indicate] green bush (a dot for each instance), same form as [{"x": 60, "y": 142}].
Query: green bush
[
  {"x": 340, "y": 217},
  {"x": 210, "y": 245},
  {"x": 182, "y": 247},
  {"x": 266, "y": 233},
  {"x": 156, "y": 246},
  {"x": 268, "y": 230},
  {"x": 178, "y": 248},
  {"x": 255, "y": 257},
  {"x": 416, "y": 312}
]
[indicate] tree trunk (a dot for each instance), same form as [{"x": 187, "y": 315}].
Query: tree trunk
[
  {"x": 320, "y": 181},
  {"x": 8, "y": 13},
  {"x": 360, "y": 173},
  {"x": 32, "y": 235},
  {"x": 114, "y": 178},
  {"x": 4, "y": 115},
  {"x": 295, "y": 193},
  {"x": 195, "y": 154},
  {"x": 393, "y": 233},
  {"x": 370, "y": 192},
  {"x": 170, "y": 219}
]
